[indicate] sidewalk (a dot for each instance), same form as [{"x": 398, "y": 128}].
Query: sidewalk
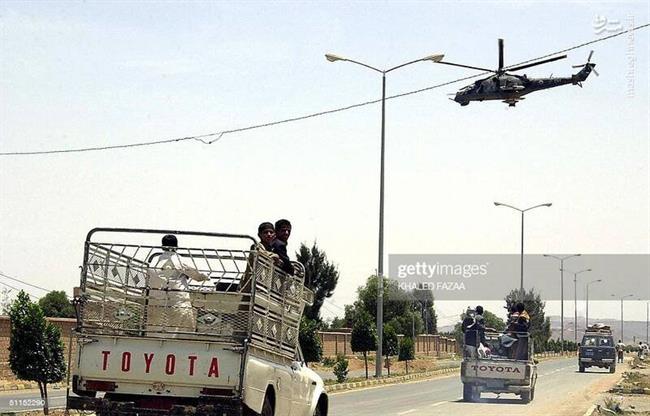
[{"x": 361, "y": 373}]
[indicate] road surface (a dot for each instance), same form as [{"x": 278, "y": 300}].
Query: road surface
[
  {"x": 561, "y": 390},
  {"x": 19, "y": 400}
]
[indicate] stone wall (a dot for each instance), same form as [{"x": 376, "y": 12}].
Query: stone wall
[
  {"x": 64, "y": 324},
  {"x": 335, "y": 343}
]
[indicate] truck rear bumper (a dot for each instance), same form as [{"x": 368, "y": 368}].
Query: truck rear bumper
[{"x": 108, "y": 407}]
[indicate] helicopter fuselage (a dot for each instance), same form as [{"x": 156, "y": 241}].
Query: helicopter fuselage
[{"x": 510, "y": 88}]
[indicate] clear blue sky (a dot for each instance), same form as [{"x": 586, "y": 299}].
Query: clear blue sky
[{"x": 77, "y": 74}]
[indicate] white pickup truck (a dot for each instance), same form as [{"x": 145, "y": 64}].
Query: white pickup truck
[
  {"x": 501, "y": 370},
  {"x": 222, "y": 340}
]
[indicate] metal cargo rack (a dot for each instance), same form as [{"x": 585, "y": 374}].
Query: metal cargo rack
[{"x": 118, "y": 298}]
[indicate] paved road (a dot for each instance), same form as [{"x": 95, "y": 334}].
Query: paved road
[
  {"x": 561, "y": 390},
  {"x": 15, "y": 401}
]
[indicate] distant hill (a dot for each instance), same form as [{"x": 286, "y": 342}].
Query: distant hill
[{"x": 634, "y": 331}]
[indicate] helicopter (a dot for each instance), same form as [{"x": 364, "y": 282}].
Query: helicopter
[{"x": 511, "y": 88}]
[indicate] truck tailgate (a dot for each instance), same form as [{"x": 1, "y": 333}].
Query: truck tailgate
[
  {"x": 133, "y": 363},
  {"x": 495, "y": 369}
]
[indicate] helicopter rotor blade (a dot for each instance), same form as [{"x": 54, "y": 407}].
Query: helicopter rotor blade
[
  {"x": 594, "y": 71},
  {"x": 545, "y": 61},
  {"x": 467, "y": 66},
  {"x": 500, "y": 55},
  {"x": 589, "y": 58}
]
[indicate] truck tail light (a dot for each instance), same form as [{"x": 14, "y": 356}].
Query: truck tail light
[
  {"x": 209, "y": 391},
  {"x": 99, "y": 385}
]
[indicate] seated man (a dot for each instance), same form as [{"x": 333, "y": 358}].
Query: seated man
[
  {"x": 169, "y": 307},
  {"x": 266, "y": 234},
  {"x": 279, "y": 245}
]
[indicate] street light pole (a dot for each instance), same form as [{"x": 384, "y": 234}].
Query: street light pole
[
  {"x": 626, "y": 296},
  {"x": 575, "y": 302},
  {"x": 521, "y": 281},
  {"x": 562, "y": 294},
  {"x": 587, "y": 302},
  {"x": 380, "y": 260}
]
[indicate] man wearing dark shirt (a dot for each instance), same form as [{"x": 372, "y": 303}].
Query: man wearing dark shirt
[{"x": 279, "y": 245}]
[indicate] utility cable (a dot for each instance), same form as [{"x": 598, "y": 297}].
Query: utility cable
[
  {"x": 23, "y": 282},
  {"x": 213, "y": 137}
]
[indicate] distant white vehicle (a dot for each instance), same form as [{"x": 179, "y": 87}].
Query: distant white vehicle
[{"x": 146, "y": 346}]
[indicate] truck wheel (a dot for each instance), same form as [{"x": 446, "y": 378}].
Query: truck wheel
[
  {"x": 581, "y": 368},
  {"x": 527, "y": 396},
  {"x": 467, "y": 392},
  {"x": 267, "y": 407},
  {"x": 612, "y": 368},
  {"x": 532, "y": 394}
]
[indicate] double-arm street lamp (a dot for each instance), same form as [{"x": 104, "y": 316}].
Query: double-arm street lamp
[
  {"x": 622, "y": 298},
  {"x": 575, "y": 302},
  {"x": 380, "y": 266},
  {"x": 498, "y": 204},
  {"x": 561, "y": 258},
  {"x": 587, "y": 301}
]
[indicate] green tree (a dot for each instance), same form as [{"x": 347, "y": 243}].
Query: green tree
[
  {"x": 310, "y": 344},
  {"x": 321, "y": 276},
  {"x": 491, "y": 321},
  {"x": 341, "y": 368},
  {"x": 400, "y": 306},
  {"x": 424, "y": 302},
  {"x": 406, "y": 351},
  {"x": 540, "y": 326},
  {"x": 35, "y": 349},
  {"x": 56, "y": 304},
  {"x": 389, "y": 344},
  {"x": 363, "y": 337}
]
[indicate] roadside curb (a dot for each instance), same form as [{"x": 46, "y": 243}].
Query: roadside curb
[
  {"x": 389, "y": 380},
  {"x": 639, "y": 390},
  {"x": 26, "y": 385}
]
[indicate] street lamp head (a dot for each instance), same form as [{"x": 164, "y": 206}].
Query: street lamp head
[
  {"x": 333, "y": 58},
  {"x": 497, "y": 204},
  {"x": 599, "y": 280},
  {"x": 548, "y": 205},
  {"x": 434, "y": 58}
]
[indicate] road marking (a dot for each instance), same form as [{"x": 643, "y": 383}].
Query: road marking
[
  {"x": 590, "y": 411},
  {"x": 407, "y": 412},
  {"x": 437, "y": 404}
]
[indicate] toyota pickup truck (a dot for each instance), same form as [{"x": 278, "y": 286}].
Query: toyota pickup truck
[
  {"x": 198, "y": 328},
  {"x": 597, "y": 349},
  {"x": 501, "y": 363}
]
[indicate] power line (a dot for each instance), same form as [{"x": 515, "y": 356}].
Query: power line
[
  {"x": 15, "y": 288},
  {"x": 23, "y": 282},
  {"x": 218, "y": 135}
]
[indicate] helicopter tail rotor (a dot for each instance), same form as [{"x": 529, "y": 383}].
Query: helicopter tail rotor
[{"x": 588, "y": 63}]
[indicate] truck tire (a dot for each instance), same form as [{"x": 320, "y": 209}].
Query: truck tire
[
  {"x": 527, "y": 396},
  {"x": 468, "y": 393},
  {"x": 532, "y": 394},
  {"x": 581, "y": 368},
  {"x": 612, "y": 368}
]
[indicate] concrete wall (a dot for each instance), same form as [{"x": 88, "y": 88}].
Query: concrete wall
[
  {"x": 64, "y": 324},
  {"x": 435, "y": 345}
]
